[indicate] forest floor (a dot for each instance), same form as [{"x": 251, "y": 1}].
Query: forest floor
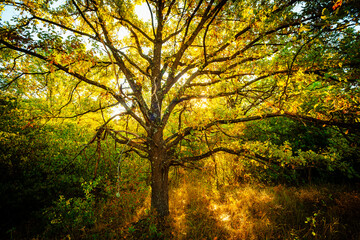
[
  {"x": 200, "y": 210},
  {"x": 265, "y": 212}
]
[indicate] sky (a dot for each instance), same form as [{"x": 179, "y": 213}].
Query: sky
[{"x": 7, "y": 14}]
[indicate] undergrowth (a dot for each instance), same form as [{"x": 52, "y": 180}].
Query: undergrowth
[{"x": 202, "y": 210}]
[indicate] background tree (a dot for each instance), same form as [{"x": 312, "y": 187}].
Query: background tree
[{"x": 187, "y": 74}]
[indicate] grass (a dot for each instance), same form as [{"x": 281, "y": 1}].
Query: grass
[{"x": 201, "y": 210}]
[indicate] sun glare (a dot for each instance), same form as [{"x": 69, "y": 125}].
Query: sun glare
[
  {"x": 143, "y": 12},
  {"x": 201, "y": 103}
]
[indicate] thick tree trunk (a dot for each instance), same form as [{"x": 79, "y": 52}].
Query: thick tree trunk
[
  {"x": 160, "y": 186},
  {"x": 159, "y": 175}
]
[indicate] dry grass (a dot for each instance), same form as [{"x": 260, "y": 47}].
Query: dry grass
[
  {"x": 201, "y": 211},
  {"x": 116, "y": 216}
]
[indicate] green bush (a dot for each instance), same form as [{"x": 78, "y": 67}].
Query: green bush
[{"x": 72, "y": 216}]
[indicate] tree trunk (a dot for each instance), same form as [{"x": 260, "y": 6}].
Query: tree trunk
[
  {"x": 160, "y": 187},
  {"x": 159, "y": 176}
]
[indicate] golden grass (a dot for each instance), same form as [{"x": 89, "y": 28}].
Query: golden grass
[{"x": 201, "y": 211}]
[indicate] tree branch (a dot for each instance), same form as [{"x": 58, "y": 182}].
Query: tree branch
[{"x": 180, "y": 135}]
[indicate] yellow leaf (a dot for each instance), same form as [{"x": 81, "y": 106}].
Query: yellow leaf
[{"x": 303, "y": 28}]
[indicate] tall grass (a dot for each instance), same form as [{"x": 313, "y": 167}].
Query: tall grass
[{"x": 202, "y": 211}]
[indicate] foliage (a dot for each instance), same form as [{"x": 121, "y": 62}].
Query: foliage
[
  {"x": 85, "y": 208},
  {"x": 74, "y": 215},
  {"x": 149, "y": 228},
  {"x": 298, "y": 152},
  {"x": 21, "y": 171},
  {"x": 34, "y": 158},
  {"x": 300, "y": 136}
]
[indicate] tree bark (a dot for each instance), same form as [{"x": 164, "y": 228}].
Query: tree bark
[
  {"x": 159, "y": 175},
  {"x": 159, "y": 186}
]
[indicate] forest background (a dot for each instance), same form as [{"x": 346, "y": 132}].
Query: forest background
[{"x": 182, "y": 120}]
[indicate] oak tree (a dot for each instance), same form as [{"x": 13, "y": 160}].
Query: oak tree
[{"x": 188, "y": 76}]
